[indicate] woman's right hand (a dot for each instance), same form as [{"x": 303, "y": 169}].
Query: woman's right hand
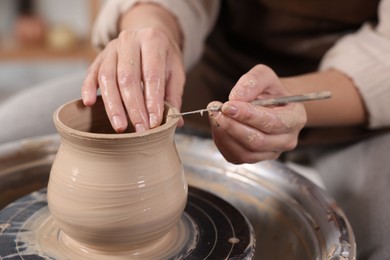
[
  {"x": 138, "y": 71},
  {"x": 245, "y": 133}
]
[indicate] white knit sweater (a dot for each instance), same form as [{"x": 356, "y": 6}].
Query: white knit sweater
[{"x": 364, "y": 55}]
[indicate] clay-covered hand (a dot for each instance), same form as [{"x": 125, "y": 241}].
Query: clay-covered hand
[
  {"x": 136, "y": 73},
  {"x": 247, "y": 134}
]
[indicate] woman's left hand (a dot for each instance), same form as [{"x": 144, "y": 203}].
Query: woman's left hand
[{"x": 245, "y": 133}]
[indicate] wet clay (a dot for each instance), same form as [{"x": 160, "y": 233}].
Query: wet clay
[
  {"x": 46, "y": 238},
  {"x": 110, "y": 192}
]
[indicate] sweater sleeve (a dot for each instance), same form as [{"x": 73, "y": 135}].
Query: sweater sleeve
[
  {"x": 195, "y": 18},
  {"x": 364, "y": 56}
]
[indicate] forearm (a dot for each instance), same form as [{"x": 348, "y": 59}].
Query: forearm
[
  {"x": 146, "y": 15},
  {"x": 345, "y": 108}
]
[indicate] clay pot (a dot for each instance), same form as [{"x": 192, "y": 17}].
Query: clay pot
[
  {"x": 30, "y": 30},
  {"x": 114, "y": 191}
]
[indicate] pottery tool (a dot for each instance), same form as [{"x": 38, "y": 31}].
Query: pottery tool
[{"x": 279, "y": 101}]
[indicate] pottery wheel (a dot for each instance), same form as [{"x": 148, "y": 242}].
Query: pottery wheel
[
  {"x": 291, "y": 217},
  {"x": 219, "y": 231}
]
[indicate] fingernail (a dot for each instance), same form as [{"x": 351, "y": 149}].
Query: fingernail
[
  {"x": 139, "y": 128},
  {"x": 153, "y": 120},
  {"x": 86, "y": 97},
  {"x": 214, "y": 108},
  {"x": 118, "y": 124},
  {"x": 229, "y": 110}
]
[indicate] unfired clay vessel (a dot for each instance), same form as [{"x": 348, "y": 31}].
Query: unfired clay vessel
[{"x": 110, "y": 191}]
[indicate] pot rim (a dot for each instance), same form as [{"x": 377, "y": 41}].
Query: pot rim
[{"x": 62, "y": 127}]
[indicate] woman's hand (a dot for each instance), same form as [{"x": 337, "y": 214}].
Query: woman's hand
[
  {"x": 137, "y": 72},
  {"x": 247, "y": 134}
]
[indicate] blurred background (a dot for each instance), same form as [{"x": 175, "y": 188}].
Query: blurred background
[{"x": 42, "y": 40}]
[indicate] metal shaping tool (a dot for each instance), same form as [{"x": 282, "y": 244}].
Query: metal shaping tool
[{"x": 267, "y": 102}]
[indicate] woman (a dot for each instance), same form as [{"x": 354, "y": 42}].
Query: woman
[{"x": 220, "y": 47}]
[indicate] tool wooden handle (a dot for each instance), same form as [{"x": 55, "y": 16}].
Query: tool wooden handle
[
  {"x": 284, "y": 100},
  {"x": 269, "y": 102},
  {"x": 289, "y": 99}
]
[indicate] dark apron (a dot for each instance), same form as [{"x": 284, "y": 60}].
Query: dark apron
[{"x": 290, "y": 36}]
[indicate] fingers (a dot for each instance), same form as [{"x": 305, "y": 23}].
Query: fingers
[
  {"x": 259, "y": 82},
  {"x": 108, "y": 84},
  {"x": 90, "y": 84},
  {"x": 247, "y": 134},
  {"x": 175, "y": 83},
  {"x": 250, "y": 147},
  {"x": 154, "y": 66},
  {"x": 163, "y": 75},
  {"x": 253, "y": 139},
  {"x": 136, "y": 73},
  {"x": 237, "y": 154},
  {"x": 103, "y": 74},
  {"x": 129, "y": 81},
  {"x": 276, "y": 120}
]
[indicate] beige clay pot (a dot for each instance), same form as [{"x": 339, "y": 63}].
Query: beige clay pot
[{"x": 114, "y": 191}]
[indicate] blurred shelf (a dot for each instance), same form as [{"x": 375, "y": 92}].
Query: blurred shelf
[
  {"x": 9, "y": 51},
  {"x": 84, "y": 52}
]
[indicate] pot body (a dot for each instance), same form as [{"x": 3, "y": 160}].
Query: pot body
[{"x": 111, "y": 191}]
